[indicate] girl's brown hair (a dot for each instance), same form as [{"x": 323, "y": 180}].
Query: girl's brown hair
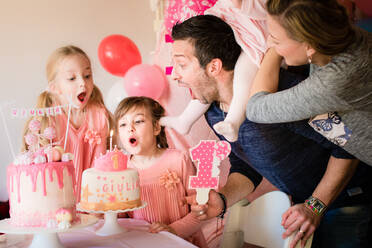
[
  {"x": 47, "y": 99},
  {"x": 323, "y": 24},
  {"x": 154, "y": 108}
]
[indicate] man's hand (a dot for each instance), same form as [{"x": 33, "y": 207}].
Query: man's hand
[
  {"x": 236, "y": 188},
  {"x": 209, "y": 210},
  {"x": 299, "y": 218}
]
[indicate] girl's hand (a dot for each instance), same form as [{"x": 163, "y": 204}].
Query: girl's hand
[
  {"x": 299, "y": 217},
  {"x": 158, "y": 227}
]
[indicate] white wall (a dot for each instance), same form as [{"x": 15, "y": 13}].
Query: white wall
[{"x": 31, "y": 30}]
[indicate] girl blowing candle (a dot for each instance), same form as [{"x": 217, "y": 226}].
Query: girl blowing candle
[{"x": 164, "y": 173}]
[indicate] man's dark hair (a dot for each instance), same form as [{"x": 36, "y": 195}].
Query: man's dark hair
[{"x": 212, "y": 38}]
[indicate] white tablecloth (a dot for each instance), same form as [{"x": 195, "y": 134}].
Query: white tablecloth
[{"x": 136, "y": 237}]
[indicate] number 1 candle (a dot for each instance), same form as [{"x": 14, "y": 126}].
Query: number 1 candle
[{"x": 208, "y": 155}]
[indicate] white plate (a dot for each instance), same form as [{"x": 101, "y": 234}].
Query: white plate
[{"x": 85, "y": 220}]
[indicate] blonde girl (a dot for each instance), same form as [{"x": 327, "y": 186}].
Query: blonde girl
[{"x": 70, "y": 81}]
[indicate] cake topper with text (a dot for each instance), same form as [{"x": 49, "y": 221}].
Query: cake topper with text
[{"x": 35, "y": 153}]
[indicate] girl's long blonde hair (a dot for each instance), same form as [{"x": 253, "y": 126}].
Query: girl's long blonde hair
[{"x": 47, "y": 99}]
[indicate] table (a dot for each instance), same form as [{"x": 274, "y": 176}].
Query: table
[{"x": 136, "y": 237}]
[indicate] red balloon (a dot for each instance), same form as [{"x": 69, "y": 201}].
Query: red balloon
[
  {"x": 365, "y": 6},
  {"x": 117, "y": 54},
  {"x": 145, "y": 80}
]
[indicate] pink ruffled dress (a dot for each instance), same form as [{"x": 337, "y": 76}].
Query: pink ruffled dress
[
  {"x": 163, "y": 186},
  {"x": 86, "y": 142}
]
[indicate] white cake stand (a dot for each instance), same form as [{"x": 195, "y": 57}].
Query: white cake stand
[
  {"x": 111, "y": 225},
  {"x": 46, "y": 237}
]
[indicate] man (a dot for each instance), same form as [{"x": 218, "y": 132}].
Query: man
[{"x": 204, "y": 55}]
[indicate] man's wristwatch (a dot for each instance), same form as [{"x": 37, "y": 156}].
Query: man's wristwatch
[
  {"x": 223, "y": 198},
  {"x": 316, "y": 205}
]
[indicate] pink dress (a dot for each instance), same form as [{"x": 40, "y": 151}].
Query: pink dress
[
  {"x": 248, "y": 24},
  {"x": 86, "y": 142},
  {"x": 163, "y": 186}
]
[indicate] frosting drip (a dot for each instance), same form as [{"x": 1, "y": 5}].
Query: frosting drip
[{"x": 33, "y": 171}]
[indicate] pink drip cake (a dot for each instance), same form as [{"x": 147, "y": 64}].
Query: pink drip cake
[
  {"x": 39, "y": 192},
  {"x": 41, "y": 184},
  {"x": 110, "y": 185}
]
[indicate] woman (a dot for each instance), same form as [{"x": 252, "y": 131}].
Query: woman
[{"x": 337, "y": 95}]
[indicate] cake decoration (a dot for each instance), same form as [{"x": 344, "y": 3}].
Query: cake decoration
[
  {"x": 208, "y": 155},
  {"x": 64, "y": 218},
  {"x": 110, "y": 185},
  {"x": 32, "y": 140},
  {"x": 67, "y": 157},
  {"x": 50, "y": 133},
  {"x": 41, "y": 187},
  {"x": 52, "y": 223},
  {"x": 34, "y": 126},
  {"x": 111, "y": 161}
]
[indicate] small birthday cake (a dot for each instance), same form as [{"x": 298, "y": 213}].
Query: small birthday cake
[
  {"x": 41, "y": 183},
  {"x": 109, "y": 185}
]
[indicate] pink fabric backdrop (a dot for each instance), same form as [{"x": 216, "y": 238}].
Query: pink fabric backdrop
[{"x": 180, "y": 10}]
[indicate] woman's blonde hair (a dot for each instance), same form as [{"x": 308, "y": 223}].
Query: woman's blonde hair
[
  {"x": 155, "y": 109},
  {"x": 323, "y": 24},
  {"x": 47, "y": 99}
]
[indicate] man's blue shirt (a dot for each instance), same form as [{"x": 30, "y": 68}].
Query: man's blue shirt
[{"x": 292, "y": 156}]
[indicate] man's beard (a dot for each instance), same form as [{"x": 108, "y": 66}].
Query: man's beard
[{"x": 209, "y": 89}]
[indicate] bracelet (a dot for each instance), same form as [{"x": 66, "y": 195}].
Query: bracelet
[
  {"x": 223, "y": 198},
  {"x": 315, "y": 205}
]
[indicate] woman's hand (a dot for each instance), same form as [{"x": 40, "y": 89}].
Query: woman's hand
[{"x": 300, "y": 218}]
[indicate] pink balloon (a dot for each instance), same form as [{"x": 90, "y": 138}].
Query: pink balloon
[
  {"x": 145, "y": 80},
  {"x": 180, "y": 10}
]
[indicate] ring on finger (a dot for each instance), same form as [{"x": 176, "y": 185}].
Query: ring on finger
[
  {"x": 300, "y": 231},
  {"x": 201, "y": 212}
]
